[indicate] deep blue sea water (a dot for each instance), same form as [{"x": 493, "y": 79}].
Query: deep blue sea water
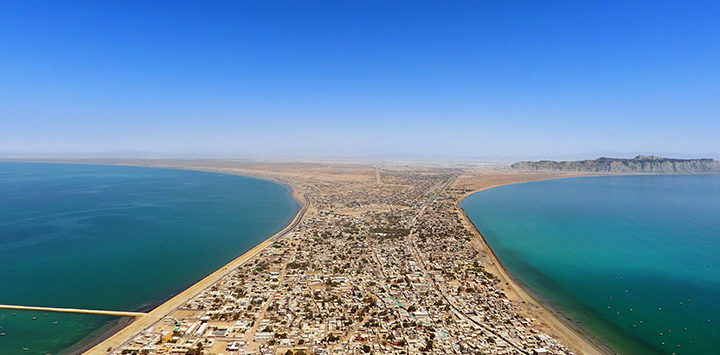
[
  {"x": 118, "y": 238},
  {"x": 612, "y": 252}
]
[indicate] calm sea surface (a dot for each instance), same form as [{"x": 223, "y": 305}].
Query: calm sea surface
[
  {"x": 634, "y": 259},
  {"x": 118, "y": 238}
]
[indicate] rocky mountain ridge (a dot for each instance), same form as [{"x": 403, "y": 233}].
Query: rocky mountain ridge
[{"x": 650, "y": 164}]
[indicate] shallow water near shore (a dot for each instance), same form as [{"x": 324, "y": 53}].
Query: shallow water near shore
[
  {"x": 117, "y": 238},
  {"x": 635, "y": 260}
]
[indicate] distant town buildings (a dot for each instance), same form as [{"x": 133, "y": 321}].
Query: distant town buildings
[{"x": 386, "y": 267}]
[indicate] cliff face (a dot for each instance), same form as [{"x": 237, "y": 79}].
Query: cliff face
[{"x": 640, "y": 164}]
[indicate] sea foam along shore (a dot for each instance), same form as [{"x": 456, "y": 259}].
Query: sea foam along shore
[{"x": 561, "y": 327}]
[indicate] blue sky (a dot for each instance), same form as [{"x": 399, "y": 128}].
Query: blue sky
[{"x": 507, "y": 79}]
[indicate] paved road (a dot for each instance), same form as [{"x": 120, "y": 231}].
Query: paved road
[{"x": 422, "y": 262}]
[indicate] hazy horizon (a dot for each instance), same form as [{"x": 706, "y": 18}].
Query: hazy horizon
[
  {"x": 433, "y": 80},
  {"x": 378, "y": 158}
]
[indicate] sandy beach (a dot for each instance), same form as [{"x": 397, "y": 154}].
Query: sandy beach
[
  {"x": 149, "y": 151},
  {"x": 140, "y": 323},
  {"x": 555, "y": 321},
  {"x": 470, "y": 181}
]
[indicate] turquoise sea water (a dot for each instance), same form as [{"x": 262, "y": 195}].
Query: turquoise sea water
[
  {"x": 614, "y": 251},
  {"x": 118, "y": 238}
]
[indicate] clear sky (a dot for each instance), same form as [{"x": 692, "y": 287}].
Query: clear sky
[{"x": 509, "y": 79}]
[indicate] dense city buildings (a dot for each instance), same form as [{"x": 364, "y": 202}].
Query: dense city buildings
[{"x": 382, "y": 261}]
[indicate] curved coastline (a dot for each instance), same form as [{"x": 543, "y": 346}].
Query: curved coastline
[
  {"x": 297, "y": 196},
  {"x": 115, "y": 337},
  {"x": 123, "y": 328},
  {"x": 560, "y": 323}
]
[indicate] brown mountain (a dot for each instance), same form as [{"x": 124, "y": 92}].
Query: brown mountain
[{"x": 640, "y": 164}]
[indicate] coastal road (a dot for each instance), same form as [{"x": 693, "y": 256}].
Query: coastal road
[
  {"x": 423, "y": 263},
  {"x": 157, "y": 314}
]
